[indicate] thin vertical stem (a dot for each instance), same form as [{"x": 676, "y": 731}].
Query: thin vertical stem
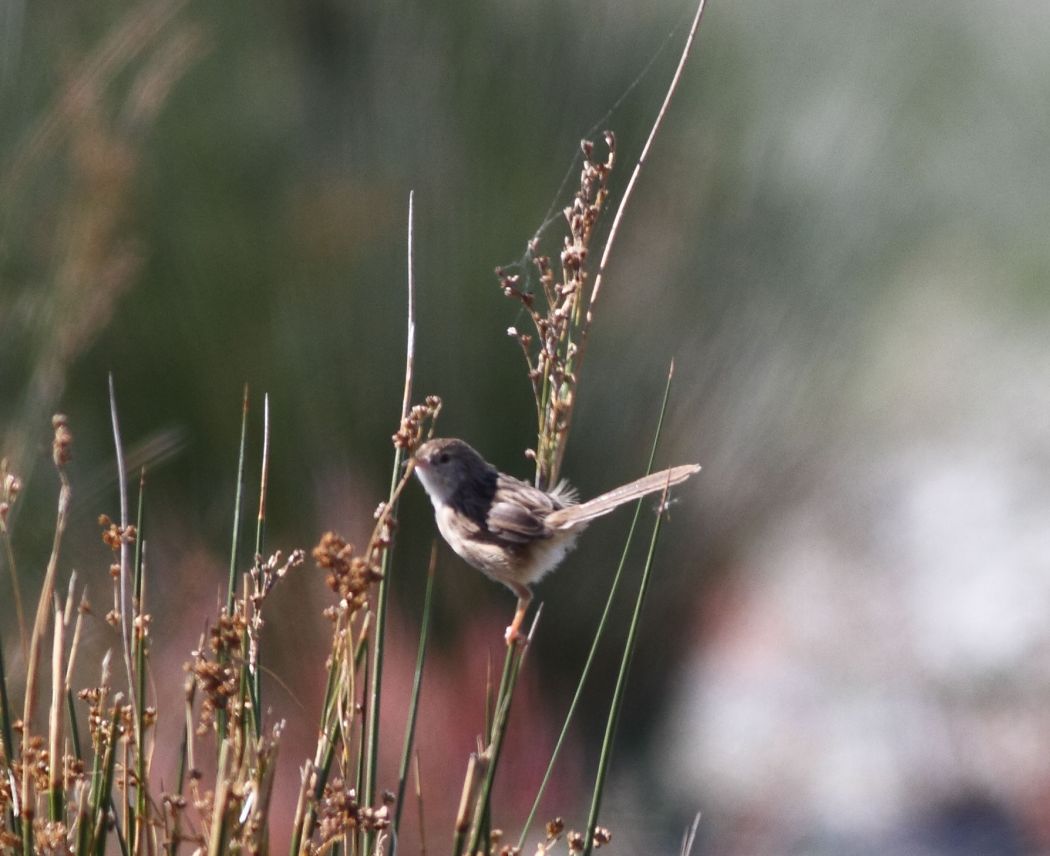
[
  {"x": 491, "y": 756},
  {"x": 372, "y": 732},
  {"x": 231, "y": 587},
  {"x": 602, "y": 622},
  {"x": 622, "y": 207},
  {"x": 16, "y": 589},
  {"x": 419, "y": 802},
  {"x": 260, "y": 536},
  {"x": 124, "y": 582},
  {"x": 39, "y": 628},
  {"x": 413, "y": 704},
  {"x": 140, "y": 830},
  {"x": 56, "y": 784},
  {"x": 621, "y": 683},
  {"x": 7, "y": 748}
]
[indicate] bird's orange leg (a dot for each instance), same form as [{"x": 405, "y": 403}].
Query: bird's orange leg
[{"x": 513, "y": 633}]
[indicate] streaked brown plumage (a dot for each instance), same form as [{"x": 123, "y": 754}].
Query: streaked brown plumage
[{"x": 510, "y": 530}]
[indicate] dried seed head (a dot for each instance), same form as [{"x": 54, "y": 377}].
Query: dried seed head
[
  {"x": 414, "y": 426},
  {"x": 10, "y": 486},
  {"x": 62, "y": 445},
  {"x": 349, "y": 576},
  {"x": 113, "y": 535}
]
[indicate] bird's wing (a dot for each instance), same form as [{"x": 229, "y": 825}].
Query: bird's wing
[
  {"x": 512, "y": 522},
  {"x": 519, "y": 511}
]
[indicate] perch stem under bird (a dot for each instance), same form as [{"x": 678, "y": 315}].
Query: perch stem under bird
[{"x": 507, "y": 528}]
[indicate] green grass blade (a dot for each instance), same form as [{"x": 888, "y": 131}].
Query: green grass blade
[
  {"x": 219, "y": 840},
  {"x": 511, "y": 670},
  {"x": 375, "y": 691},
  {"x": 7, "y": 755},
  {"x": 304, "y": 811},
  {"x": 74, "y": 731},
  {"x": 7, "y": 751},
  {"x": 105, "y": 789},
  {"x": 372, "y": 733},
  {"x": 255, "y": 688},
  {"x": 413, "y": 704},
  {"x": 618, "y": 693},
  {"x": 602, "y": 623},
  {"x": 231, "y": 587},
  {"x": 181, "y": 769},
  {"x": 138, "y": 653}
]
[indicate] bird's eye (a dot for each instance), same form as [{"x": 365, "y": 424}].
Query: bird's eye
[{"x": 443, "y": 458}]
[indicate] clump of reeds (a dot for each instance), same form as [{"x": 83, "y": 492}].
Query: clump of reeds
[{"x": 76, "y": 774}]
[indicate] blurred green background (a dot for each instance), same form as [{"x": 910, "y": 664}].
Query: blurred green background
[{"x": 840, "y": 236}]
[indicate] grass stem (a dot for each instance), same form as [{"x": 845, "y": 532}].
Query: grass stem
[
  {"x": 602, "y": 622},
  {"x": 368, "y": 791},
  {"x": 621, "y": 684},
  {"x": 413, "y": 704}
]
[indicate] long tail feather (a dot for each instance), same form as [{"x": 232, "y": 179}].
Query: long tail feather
[{"x": 566, "y": 518}]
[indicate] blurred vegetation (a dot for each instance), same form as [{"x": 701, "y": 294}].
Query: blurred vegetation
[{"x": 244, "y": 221}]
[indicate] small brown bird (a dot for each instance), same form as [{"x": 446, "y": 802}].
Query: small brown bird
[{"x": 514, "y": 532}]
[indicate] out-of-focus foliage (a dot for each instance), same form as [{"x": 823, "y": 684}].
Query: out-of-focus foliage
[{"x": 843, "y": 225}]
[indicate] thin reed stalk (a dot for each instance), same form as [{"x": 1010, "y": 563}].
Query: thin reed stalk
[
  {"x": 255, "y": 654},
  {"x": 6, "y": 746},
  {"x": 123, "y": 580},
  {"x": 419, "y": 803},
  {"x": 368, "y": 792},
  {"x": 602, "y": 622},
  {"x": 491, "y": 755},
  {"x": 185, "y": 761},
  {"x": 60, "y": 452},
  {"x": 231, "y": 586},
  {"x": 413, "y": 703},
  {"x": 138, "y": 653},
  {"x": 103, "y": 799},
  {"x": 466, "y": 800},
  {"x": 223, "y": 724},
  {"x": 218, "y": 839},
  {"x": 56, "y": 784},
  {"x": 621, "y": 684},
  {"x": 10, "y": 486}
]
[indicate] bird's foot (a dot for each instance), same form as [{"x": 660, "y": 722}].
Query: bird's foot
[{"x": 513, "y": 633}]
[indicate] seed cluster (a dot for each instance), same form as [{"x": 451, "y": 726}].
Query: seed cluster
[
  {"x": 417, "y": 424},
  {"x": 339, "y": 813},
  {"x": 349, "y": 576},
  {"x": 217, "y": 670},
  {"x": 561, "y": 321},
  {"x": 575, "y": 841},
  {"x": 10, "y": 487}
]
